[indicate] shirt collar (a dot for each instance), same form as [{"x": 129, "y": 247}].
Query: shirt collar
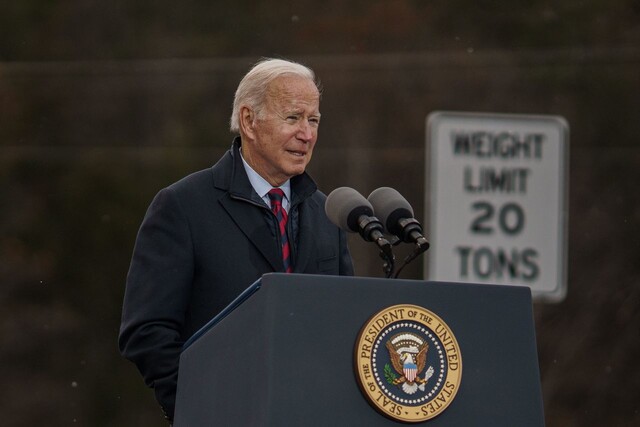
[{"x": 261, "y": 186}]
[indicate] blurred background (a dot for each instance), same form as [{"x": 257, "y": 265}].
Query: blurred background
[{"x": 104, "y": 103}]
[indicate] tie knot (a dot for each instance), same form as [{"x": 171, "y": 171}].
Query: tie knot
[{"x": 276, "y": 195}]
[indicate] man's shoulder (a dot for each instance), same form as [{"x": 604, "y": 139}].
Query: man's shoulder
[
  {"x": 193, "y": 181},
  {"x": 216, "y": 175}
]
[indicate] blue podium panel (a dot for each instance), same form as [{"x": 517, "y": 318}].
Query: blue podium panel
[{"x": 284, "y": 354}]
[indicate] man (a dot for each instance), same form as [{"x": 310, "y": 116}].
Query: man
[{"x": 210, "y": 235}]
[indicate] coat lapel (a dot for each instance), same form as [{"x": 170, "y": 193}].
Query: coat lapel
[
  {"x": 243, "y": 205},
  {"x": 306, "y": 244},
  {"x": 250, "y": 220}
]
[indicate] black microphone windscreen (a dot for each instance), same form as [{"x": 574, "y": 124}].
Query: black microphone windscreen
[
  {"x": 344, "y": 206},
  {"x": 389, "y": 207}
]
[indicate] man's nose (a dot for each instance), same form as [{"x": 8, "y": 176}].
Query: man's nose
[{"x": 306, "y": 131}]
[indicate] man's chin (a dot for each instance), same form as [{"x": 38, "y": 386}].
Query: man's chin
[
  {"x": 297, "y": 169},
  {"x": 296, "y": 172}
]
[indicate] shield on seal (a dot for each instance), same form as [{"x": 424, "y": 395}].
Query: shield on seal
[{"x": 410, "y": 370}]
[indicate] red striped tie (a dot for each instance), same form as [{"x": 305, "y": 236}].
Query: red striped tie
[{"x": 276, "y": 195}]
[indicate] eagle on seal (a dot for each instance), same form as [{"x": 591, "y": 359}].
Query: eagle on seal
[{"x": 408, "y": 354}]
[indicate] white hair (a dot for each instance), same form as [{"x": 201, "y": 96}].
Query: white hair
[{"x": 253, "y": 87}]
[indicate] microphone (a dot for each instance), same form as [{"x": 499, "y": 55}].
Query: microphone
[
  {"x": 350, "y": 211},
  {"x": 396, "y": 215}
]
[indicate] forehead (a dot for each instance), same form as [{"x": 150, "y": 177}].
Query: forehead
[{"x": 293, "y": 91}]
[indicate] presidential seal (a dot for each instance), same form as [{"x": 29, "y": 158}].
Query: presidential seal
[{"x": 408, "y": 363}]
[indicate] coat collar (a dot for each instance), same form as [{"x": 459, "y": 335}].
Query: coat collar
[{"x": 230, "y": 176}]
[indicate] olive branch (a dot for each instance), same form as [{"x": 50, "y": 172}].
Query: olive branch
[{"x": 389, "y": 375}]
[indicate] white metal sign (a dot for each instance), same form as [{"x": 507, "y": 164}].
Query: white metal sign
[{"x": 498, "y": 205}]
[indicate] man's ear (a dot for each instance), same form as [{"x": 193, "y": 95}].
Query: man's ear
[{"x": 247, "y": 122}]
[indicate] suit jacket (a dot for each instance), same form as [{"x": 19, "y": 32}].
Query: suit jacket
[{"x": 203, "y": 241}]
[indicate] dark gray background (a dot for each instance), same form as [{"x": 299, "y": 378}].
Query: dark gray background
[{"x": 104, "y": 103}]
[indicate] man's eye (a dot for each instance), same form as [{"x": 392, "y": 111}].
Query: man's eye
[{"x": 293, "y": 118}]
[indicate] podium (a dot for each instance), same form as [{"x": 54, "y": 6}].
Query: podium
[{"x": 283, "y": 354}]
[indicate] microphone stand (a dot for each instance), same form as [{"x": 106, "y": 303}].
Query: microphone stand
[
  {"x": 421, "y": 246},
  {"x": 371, "y": 230},
  {"x": 386, "y": 253}
]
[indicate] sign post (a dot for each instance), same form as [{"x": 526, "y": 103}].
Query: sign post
[{"x": 498, "y": 206}]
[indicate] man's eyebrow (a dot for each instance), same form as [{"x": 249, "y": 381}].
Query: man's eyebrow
[{"x": 299, "y": 111}]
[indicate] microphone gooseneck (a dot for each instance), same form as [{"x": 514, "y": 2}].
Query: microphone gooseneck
[{"x": 396, "y": 214}]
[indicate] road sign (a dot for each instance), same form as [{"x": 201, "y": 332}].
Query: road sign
[{"x": 498, "y": 205}]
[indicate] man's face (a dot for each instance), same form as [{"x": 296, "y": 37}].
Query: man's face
[{"x": 281, "y": 138}]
